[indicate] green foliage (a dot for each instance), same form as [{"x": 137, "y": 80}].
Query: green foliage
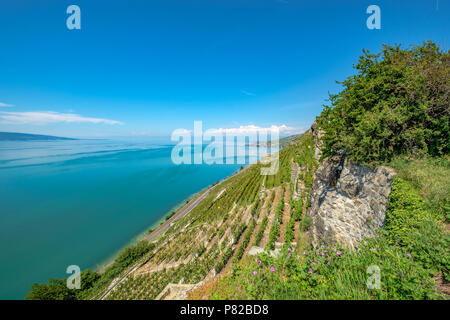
[
  {"x": 411, "y": 224},
  {"x": 273, "y": 235},
  {"x": 297, "y": 209},
  {"x": 56, "y": 289},
  {"x": 260, "y": 233},
  {"x": 245, "y": 242},
  {"x": 429, "y": 245},
  {"x": 126, "y": 257},
  {"x": 406, "y": 211},
  {"x": 411, "y": 250},
  {"x": 201, "y": 250},
  {"x": 305, "y": 223},
  {"x": 223, "y": 261},
  {"x": 289, "y": 234},
  {"x": 432, "y": 176},
  {"x": 396, "y": 103},
  {"x": 130, "y": 254},
  {"x": 326, "y": 272},
  {"x": 237, "y": 234}
]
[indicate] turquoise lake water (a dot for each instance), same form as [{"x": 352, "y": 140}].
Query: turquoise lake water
[{"x": 78, "y": 202}]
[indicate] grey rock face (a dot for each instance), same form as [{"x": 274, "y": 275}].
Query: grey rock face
[
  {"x": 348, "y": 201},
  {"x": 317, "y": 134}
]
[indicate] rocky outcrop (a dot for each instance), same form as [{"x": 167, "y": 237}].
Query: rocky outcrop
[
  {"x": 348, "y": 201},
  {"x": 317, "y": 134}
]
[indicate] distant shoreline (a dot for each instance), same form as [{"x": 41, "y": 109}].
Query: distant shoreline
[{"x": 16, "y": 136}]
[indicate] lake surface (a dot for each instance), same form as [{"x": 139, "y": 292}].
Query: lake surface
[{"x": 78, "y": 202}]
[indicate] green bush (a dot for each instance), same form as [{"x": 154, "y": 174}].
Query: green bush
[
  {"x": 56, "y": 289},
  {"x": 411, "y": 224},
  {"x": 327, "y": 272},
  {"x": 406, "y": 211},
  {"x": 261, "y": 230},
  {"x": 245, "y": 242},
  {"x": 223, "y": 261},
  {"x": 396, "y": 103},
  {"x": 432, "y": 176},
  {"x": 289, "y": 234},
  {"x": 305, "y": 223}
]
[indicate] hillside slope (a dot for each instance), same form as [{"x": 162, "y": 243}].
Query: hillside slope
[{"x": 256, "y": 236}]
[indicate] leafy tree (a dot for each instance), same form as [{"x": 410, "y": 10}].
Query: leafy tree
[
  {"x": 55, "y": 289},
  {"x": 397, "y": 103}
]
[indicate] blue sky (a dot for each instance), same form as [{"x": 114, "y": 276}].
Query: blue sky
[{"x": 149, "y": 67}]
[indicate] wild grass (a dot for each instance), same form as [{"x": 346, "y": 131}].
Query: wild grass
[
  {"x": 432, "y": 176},
  {"x": 406, "y": 256}
]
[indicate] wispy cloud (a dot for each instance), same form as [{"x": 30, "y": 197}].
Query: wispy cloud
[
  {"x": 247, "y": 93},
  {"x": 45, "y": 117},
  {"x": 2, "y": 104}
]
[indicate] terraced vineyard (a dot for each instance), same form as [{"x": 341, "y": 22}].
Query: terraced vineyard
[{"x": 246, "y": 210}]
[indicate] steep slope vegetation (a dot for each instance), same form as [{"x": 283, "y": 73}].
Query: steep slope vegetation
[{"x": 248, "y": 239}]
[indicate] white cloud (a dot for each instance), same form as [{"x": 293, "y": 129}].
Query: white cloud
[
  {"x": 251, "y": 129},
  {"x": 2, "y": 104},
  {"x": 45, "y": 117}
]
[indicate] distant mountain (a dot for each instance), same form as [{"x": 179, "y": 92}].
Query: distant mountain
[{"x": 14, "y": 136}]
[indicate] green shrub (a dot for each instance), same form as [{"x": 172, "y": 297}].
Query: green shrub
[
  {"x": 289, "y": 234},
  {"x": 396, "y": 103},
  {"x": 56, "y": 289},
  {"x": 432, "y": 176},
  {"x": 245, "y": 242},
  {"x": 223, "y": 261},
  {"x": 406, "y": 211},
  {"x": 327, "y": 272},
  {"x": 237, "y": 234},
  {"x": 305, "y": 223},
  {"x": 261, "y": 230}
]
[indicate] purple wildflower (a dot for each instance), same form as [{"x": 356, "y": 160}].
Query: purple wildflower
[{"x": 272, "y": 269}]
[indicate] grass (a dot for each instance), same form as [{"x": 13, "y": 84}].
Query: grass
[
  {"x": 409, "y": 254},
  {"x": 432, "y": 176}
]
